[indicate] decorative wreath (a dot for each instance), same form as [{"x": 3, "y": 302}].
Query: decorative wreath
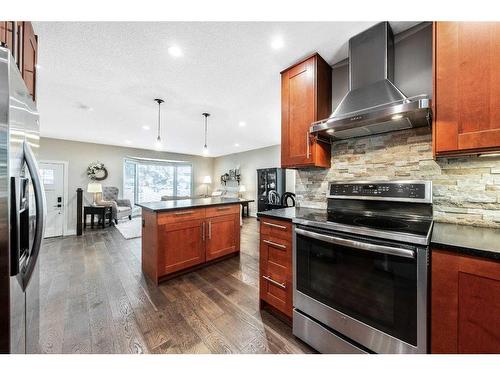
[{"x": 97, "y": 171}]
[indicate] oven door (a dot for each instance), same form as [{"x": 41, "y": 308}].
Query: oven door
[{"x": 373, "y": 292}]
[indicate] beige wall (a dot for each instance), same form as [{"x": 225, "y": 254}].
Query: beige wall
[
  {"x": 249, "y": 162},
  {"x": 79, "y": 155}
]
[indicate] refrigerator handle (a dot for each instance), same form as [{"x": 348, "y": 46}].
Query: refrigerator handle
[
  {"x": 41, "y": 211},
  {"x": 14, "y": 227}
]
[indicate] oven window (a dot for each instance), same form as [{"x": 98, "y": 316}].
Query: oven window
[{"x": 377, "y": 289}]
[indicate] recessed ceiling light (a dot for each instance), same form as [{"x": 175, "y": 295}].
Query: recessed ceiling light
[
  {"x": 236, "y": 145},
  {"x": 146, "y": 127},
  {"x": 175, "y": 51},
  {"x": 128, "y": 141},
  {"x": 242, "y": 123},
  {"x": 277, "y": 43}
]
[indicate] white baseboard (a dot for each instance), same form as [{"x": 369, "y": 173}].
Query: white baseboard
[{"x": 70, "y": 232}]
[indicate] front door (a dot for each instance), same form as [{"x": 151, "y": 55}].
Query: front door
[{"x": 52, "y": 174}]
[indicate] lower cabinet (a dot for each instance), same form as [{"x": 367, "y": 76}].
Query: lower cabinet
[
  {"x": 223, "y": 235},
  {"x": 275, "y": 281},
  {"x": 465, "y": 304},
  {"x": 183, "y": 243},
  {"x": 176, "y": 241}
]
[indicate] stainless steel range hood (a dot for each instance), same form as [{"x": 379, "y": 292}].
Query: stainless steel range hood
[{"x": 373, "y": 104}]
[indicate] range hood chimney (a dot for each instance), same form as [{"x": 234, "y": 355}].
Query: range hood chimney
[{"x": 373, "y": 104}]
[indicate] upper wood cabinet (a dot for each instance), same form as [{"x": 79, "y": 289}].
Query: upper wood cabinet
[
  {"x": 306, "y": 97},
  {"x": 466, "y": 87},
  {"x": 465, "y": 304},
  {"x": 29, "y": 59},
  {"x": 20, "y": 38}
]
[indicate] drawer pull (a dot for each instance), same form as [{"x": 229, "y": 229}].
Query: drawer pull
[
  {"x": 184, "y": 213},
  {"x": 274, "y": 244},
  {"x": 268, "y": 278},
  {"x": 274, "y": 225},
  {"x": 223, "y": 208}
]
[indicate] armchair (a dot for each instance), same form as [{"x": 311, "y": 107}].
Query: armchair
[{"x": 120, "y": 208}]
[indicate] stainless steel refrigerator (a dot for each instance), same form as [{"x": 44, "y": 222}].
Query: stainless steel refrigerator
[{"x": 22, "y": 213}]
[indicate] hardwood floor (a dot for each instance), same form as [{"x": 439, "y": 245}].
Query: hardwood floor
[{"x": 95, "y": 299}]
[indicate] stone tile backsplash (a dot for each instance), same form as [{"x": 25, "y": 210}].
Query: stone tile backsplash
[{"x": 466, "y": 190}]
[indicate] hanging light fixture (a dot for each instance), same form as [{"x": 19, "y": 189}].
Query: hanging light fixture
[
  {"x": 158, "y": 143},
  {"x": 205, "y": 147}
]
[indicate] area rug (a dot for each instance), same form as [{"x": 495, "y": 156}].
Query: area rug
[{"x": 130, "y": 228}]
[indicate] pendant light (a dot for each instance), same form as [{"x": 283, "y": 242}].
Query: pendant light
[
  {"x": 158, "y": 143},
  {"x": 205, "y": 147}
]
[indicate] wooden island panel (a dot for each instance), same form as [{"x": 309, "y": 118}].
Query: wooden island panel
[{"x": 178, "y": 241}]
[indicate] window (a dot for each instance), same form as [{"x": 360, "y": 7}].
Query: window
[{"x": 148, "y": 180}]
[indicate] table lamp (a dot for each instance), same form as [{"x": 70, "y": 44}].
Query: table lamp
[
  {"x": 95, "y": 188},
  {"x": 242, "y": 189},
  {"x": 207, "y": 180}
]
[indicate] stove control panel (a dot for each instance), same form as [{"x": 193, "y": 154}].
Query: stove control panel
[{"x": 401, "y": 190}]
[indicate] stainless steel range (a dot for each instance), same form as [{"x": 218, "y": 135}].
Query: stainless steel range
[{"x": 360, "y": 269}]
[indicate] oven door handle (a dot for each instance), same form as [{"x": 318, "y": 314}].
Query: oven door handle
[{"x": 358, "y": 244}]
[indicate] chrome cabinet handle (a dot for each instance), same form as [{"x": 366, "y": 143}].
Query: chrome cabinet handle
[
  {"x": 223, "y": 208},
  {"x": 406, "y": 253},
  {"x": 281, "y": 285},
  {"x": 203, "y": 231},
  {"x": 274, "y": 244},
  {"x": 209, "y": 230},
  {"x": 183, "y": 213},
  {"x": 274, "y": 225},
  {"x": 307, "y": 145}
]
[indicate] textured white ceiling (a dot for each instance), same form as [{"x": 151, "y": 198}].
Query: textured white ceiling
[{"x": 97, "y": 81}]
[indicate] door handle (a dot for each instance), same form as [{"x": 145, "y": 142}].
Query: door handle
[
  {"x": 210, "y": 230},
  {"x": 308, "y": 151},
  {"x": 203, "y": 231},
  {"x": 274, "y": 225},
  {"x": 389, "y": 250},
  {"x": 274, "y": 244},
  {"x": 281, "y": 285},
  {"x": 14, "y": 228},
  {"x": 41, "y": 212}
]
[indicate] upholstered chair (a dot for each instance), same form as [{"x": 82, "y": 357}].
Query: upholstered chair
[{"x": 120, "y": 208}]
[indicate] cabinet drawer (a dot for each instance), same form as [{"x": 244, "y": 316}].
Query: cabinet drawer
[
  {"x": 276, "y": 229},
  {"x": 180, "y": 215},
  {"x": 276, "y": 290},
  {"x": 276, "y": 251},
  {"x": 223, "y": 210}
]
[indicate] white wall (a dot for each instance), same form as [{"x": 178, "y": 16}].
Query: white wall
[
  {"x": 249, "y": 162},
  {"x": 79, "y": 155}
]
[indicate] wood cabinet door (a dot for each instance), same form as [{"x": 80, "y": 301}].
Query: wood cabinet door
[
  {"x": 29, "y": 58},
  {"x": 180, "y": 245},
  {"x": 7, "y": 36},
  {"x": 223, "y": 236},
  {"x": 467, "y": 87},
  {"x": 465, "y": 304},
  {"x": 297, "y": 113},
  {"x": 306, "y": 97}
]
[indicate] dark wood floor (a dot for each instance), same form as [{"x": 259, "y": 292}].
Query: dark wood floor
[{"x": 94, "y": 299}]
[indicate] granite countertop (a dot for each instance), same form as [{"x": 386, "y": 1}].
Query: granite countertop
[
  {"x": 465, "y": 239},
  {"x": 172, "y": 205}
]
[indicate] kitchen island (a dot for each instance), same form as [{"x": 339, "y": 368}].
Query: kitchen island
[{"x": 180, "y": 235}]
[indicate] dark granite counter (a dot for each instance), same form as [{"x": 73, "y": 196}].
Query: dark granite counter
[
  {"x": 291, "y": 213},
  {"x": 279, "y": 214},
  {"x": 466, "y": 239},
  {"x": 181, "y": 204}
]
